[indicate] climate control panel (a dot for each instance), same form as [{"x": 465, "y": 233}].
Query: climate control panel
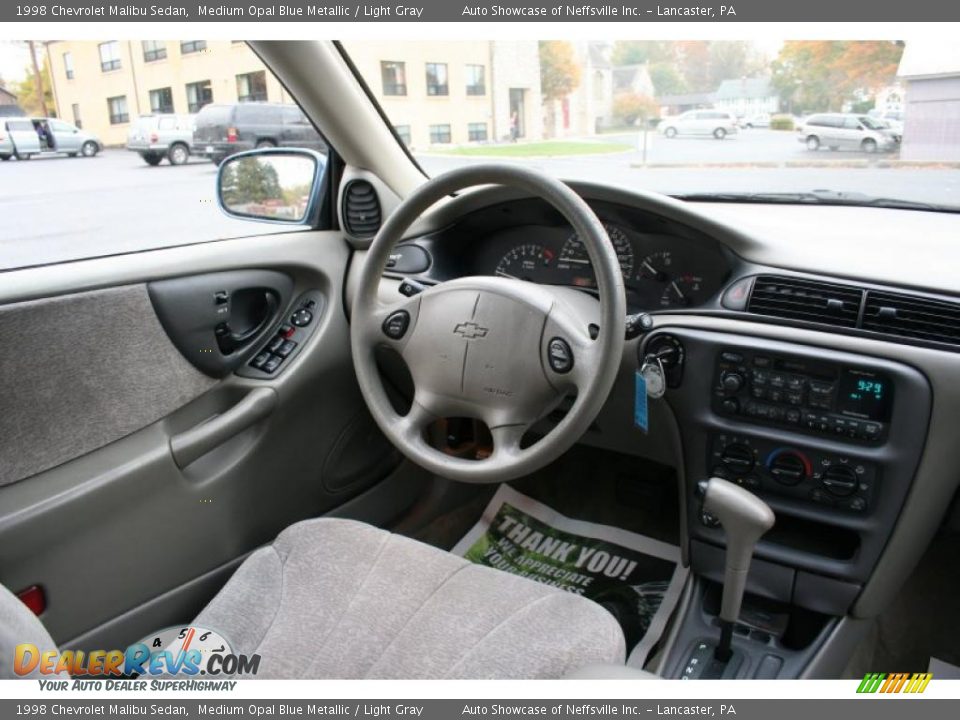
[
  {"x": 805, "y": 474},
  {"x": 810, "y": 396}
]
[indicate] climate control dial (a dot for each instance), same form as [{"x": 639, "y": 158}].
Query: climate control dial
[{"x": 788, "y": 467}]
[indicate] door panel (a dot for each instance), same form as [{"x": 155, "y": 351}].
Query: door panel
[
  {"x": 80, "y": 371},
  {"x": 210, "y": 470}
]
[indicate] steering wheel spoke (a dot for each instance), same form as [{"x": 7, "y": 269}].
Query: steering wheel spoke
[{"x": 506, "y": 442}]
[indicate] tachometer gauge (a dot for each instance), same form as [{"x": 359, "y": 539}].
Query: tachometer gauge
[
  {"x": 574, "y": 257},
  {"x": 525, "y": 262},
  {"x": 681, "y": 290}
]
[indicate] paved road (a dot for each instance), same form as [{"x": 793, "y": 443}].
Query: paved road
[{"x": 55, "y": 209}]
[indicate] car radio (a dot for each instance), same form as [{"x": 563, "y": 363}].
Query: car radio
[{"x": 822, "y": 398}]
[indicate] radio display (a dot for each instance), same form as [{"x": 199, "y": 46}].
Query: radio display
[{"x": 865, "y": 395}]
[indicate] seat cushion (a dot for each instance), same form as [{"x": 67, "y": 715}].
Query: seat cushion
[
  {"x": 342, "y": 599},
  {"x": 19, "y": 626}
]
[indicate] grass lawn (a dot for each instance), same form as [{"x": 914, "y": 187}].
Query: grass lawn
[{"x": 549, "y": 148}]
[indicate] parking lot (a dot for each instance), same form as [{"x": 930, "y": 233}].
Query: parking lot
[{"x": 60, "y": 208}]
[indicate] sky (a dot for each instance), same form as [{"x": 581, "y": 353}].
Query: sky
[{"x": 14, "y": 58}]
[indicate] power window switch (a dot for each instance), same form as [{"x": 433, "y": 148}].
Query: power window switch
[
  {"x": 275, "y": 344},
  {"x": 271, "y": 365},
  {"x": 285, "y": 349},
  {"x": 259, "y": 361}
]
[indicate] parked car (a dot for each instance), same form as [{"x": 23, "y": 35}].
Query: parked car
[
  {"x": 847, "y": 131},
  {"x": 163, "y": 135},
  {"x": 45, "y": 136},
  {"x": 760, "y": 120},
  {"x": 224, "y": 130},
  {"x": 700, "y": 122}
]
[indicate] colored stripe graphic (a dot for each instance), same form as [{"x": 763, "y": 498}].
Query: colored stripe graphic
[{"x": 913, "y": 683}]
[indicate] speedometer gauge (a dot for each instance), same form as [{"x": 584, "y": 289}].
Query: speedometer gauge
[{"x": 574, "y": 257}]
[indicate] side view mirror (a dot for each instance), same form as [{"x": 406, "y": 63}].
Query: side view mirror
[{"x": 278, "y": 185}]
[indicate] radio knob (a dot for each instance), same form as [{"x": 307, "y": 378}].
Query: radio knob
[
  {"x": 731, "y": 406},
  {"x": 731, "y": 382}
]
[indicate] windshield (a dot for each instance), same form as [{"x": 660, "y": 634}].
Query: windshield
[{"x": 684, "y": 117}]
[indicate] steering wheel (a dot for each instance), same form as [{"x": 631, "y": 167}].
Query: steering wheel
[{"x": 495, "y": 349}]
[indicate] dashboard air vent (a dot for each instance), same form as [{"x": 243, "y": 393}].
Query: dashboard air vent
[
  {"x": 361, "y": 209},
  {"x": 912, "y": 317},
  {"x": 811, "y": 301}
]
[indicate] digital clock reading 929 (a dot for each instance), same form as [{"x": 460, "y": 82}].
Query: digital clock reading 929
[{"x": 864, "y": 394}]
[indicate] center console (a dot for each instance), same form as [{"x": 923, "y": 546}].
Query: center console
[{"x": 828, "y": 439}]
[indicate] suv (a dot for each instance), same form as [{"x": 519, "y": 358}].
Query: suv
[
  {"x": 700, "y": 122},
  {"x": 25, "y": 137},
  {"x": 847, "y": 131},
  {"x": 224, "y": 130},
  {"x": 156, "y": 137}
]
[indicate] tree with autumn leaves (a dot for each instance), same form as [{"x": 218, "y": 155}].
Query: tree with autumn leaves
[{"x": 820, "y": 75}]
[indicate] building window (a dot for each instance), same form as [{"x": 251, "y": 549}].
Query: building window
[
  {"x": 477, "y": 131},
  {"x": 154, "y": 50},
  {"x": 192, "y": 46},
  {"x": 252, "y": 87},
  {"x": 161, "y": 100},
  {"x": 476, "y": 80},
  {"x": 68, "y": 65},
  {"x": 118, "y": 110},
  {"x": 403, "y": 132},
  {"x": 394, "y": 76},
  {"x": 198, "y": 95},
  {"x": 75, "y": 108},
  {"x": 439, "y": 134},
  {"x": 110, "y": 56},
  {"x": 437, "y": 79}
]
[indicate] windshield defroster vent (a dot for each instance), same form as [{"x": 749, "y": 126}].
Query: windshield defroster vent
[
  {"x": 807, "y": 300},
  {"x": 361, "y": 209},
  {"x": 912, "y": 317}
]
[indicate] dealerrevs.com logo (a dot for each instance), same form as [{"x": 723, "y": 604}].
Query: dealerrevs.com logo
[{"x": 171, "y": 653}]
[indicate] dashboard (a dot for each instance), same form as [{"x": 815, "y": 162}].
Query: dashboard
[
  {"x": 804, "y": 360},
  {"x": 664, "y": 265}
]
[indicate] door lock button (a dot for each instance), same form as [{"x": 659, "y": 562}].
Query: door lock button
[{"x": 396, "y": 324}]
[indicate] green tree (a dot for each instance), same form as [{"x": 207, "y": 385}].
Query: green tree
[
  {"x": 637, "y": 52},
  {"x": 559, "y": 69},
  {"x": 248, "y": 180},
  {"x": 27, "y": 96},
  {"x": 818, "y": 75},
  {"x": 629, "y": 108},
  {"x": 667, "y": 79}
]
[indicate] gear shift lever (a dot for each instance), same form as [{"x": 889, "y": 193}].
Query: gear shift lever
[{"x": 745, "y": 518}]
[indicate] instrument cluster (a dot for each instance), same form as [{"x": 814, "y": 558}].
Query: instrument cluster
[{"x": 659, "y": 271}]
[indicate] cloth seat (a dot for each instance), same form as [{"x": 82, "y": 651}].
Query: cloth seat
[{"x": 341, "y": 599}]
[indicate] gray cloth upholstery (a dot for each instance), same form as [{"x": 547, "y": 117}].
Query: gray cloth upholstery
[
  {"x": 80, "y": 371},
  {"x": 19, "y": 626},
  {"x": 341, "y": 599}
]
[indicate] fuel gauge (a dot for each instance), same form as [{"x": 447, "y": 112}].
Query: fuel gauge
[{"x": 682, "y": 290}]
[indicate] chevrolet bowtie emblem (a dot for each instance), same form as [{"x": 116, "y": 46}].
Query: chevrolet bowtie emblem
[{"x": 471, "y": 330}]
